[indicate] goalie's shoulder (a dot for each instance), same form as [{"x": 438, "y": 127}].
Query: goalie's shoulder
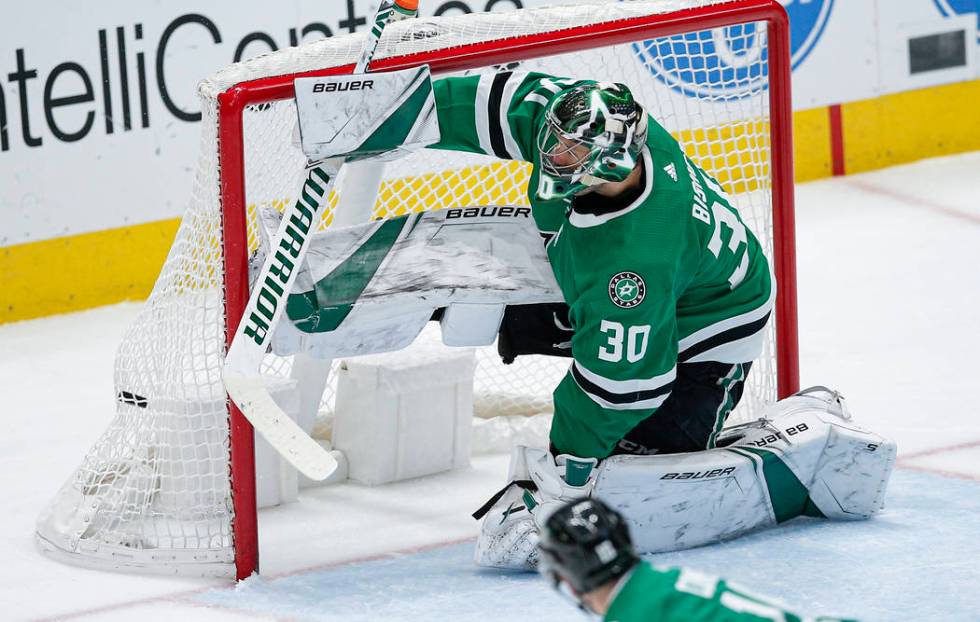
[{"x": 652, "y": 229}]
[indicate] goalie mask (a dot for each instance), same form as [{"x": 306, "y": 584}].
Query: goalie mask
[
  {"x": 592, "y": 134},
  {"x": 585, "y": 544}
]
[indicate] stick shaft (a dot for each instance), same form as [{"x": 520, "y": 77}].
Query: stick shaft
[
  {"x": 267, "y": 300},
  {"x": 387, "y": 13}
]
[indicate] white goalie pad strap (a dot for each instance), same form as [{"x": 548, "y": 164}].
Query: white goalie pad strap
[
  {"x": 476, "y": 259},
  {"x": 805, "y": 458}
]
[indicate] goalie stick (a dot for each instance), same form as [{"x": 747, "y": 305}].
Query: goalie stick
[{"x": 266, "y": 302}]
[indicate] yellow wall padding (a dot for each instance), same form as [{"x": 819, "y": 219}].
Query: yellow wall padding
[
  {"x": 910, "y": 126},
  {"x": 82, "y": 271},
  {"x": 92, "y": 269},
  {"x": 811, "y": 144}
]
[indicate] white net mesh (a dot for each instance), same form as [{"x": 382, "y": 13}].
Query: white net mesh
[{"x": 154, "y": 491}]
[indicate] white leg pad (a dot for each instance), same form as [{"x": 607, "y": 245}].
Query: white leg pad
[
  {"x": 805, "y": 457},
  {"x": 851, "y": 474},
  {"x": 683, "y": 500}
]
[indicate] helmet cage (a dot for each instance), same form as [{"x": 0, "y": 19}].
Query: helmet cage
[
  {"x": 591, "y": 134},
  {"x": 566, "y": 155}
]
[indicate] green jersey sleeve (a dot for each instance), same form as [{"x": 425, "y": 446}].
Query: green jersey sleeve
[
  {"x": 499, "y": 114},
  {"x": 680, "y": 595},
  {"x": 495, "y": 113}
]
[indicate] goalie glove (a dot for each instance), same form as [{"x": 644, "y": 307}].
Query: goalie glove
[
  {"x": 535, "y": 329},
  {"x": 512, "y": 518}
]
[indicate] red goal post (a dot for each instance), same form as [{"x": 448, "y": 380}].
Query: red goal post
[{"x": 232, "y": 102}]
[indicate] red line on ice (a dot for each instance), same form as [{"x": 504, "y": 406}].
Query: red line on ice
[
  {"x": 906, "y": 461},
  {"x": 942, "y": 472},
  {"x": 184, "y": 598},
  {"x": 913, "y": 201},
  {"x": 939, "y": 450}
]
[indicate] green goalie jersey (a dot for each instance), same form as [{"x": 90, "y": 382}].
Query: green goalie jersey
[{"x": 674, "y": 276}]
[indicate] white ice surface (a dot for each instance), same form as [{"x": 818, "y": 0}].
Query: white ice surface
[
  {"x": 814, "y": 566},
  {"x": 889, "y": 313}
]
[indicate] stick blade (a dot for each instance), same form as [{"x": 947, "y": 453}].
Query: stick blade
[{"x": 285, "y": 436}]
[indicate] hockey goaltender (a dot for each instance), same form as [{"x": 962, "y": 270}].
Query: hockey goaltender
[
  {"x": 657, "y": 291},
  {"x": 667, "y": 296}
]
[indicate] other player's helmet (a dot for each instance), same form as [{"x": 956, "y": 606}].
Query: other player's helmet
[
  {"x": 592, "y": 134},
  {"x": 585, "y": 544}
]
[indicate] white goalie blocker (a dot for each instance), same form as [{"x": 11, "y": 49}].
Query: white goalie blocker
[
  {"x": 371, "y": 287},
  {"x": 804, "y": 457}
]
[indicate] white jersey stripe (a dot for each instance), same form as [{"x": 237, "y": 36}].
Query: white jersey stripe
[
  {"x": 548, "y": 85},
  {"x": 513, "y": 81},
  {"x": 642, "y": 405},
  {"x": 537, "y": 98},
  {"x": 738, "y": 351},
  {"x": 481, "y": 109},
  {"x": 626, "y": 386},
  {"x": 745, "y": 318}
]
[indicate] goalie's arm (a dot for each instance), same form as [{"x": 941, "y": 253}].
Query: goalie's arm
[{"x": 494, "y": 113}]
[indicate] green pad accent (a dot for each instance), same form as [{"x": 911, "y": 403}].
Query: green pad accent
[
  {"x": 577, "y": 472},
  {"x": 790, "y": 498},
  {"x": 529, "y": 500},
  {"x": 323, "y": 309},
  {"x": 810, "y": 509},
  {"x": 394, "y": 130}
]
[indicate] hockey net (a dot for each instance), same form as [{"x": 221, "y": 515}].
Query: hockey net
[{"x": 170, "y": 485}]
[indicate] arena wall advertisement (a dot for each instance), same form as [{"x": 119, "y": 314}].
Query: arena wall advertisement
[{"x": 99, "y": 113}]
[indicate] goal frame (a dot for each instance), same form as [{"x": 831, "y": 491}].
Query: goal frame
[{"x": 231, "y": 162}]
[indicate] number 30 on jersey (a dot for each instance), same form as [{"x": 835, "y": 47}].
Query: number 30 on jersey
[{"x": 631, "y": 341}]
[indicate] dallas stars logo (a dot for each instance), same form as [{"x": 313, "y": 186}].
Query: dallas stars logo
[{"x": 627, "y": 289}]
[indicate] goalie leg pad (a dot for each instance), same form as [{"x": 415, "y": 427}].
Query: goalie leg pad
[
  {"x": 678, "y": 501},
  {"x": 850, "y": 476},
  {"x": 805, "y": 457}
]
